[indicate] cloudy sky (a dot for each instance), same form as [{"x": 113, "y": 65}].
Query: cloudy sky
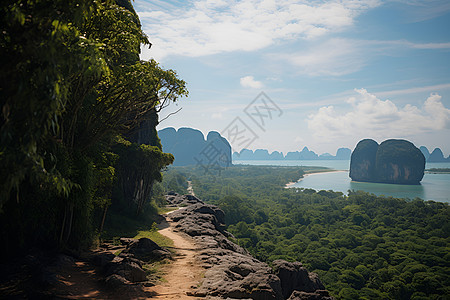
[{"x": 331, "y": 72}]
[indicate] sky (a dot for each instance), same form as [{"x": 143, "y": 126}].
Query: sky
[{"x": 282, "y": 75}]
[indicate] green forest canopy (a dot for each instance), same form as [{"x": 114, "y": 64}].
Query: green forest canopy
[
  {"x": 362, "y": 246},
  {"x": 72, "y": 88}
]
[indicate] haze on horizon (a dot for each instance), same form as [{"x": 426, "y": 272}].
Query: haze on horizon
[{"x": 339, "y": 71}]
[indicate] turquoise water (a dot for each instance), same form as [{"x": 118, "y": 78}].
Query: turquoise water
[
  {"x": 433, "y": 186},
  {"x": 332, "y": 164}
]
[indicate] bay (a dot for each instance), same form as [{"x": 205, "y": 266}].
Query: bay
[{"x": 433, "y": 186}]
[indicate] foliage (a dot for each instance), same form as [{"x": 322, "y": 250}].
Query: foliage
[
  {"x": 155, "y": 236},
  {"x": 139, "y": 166},
  {"x": 72, "y": 87},
  {"x": 362, "y": 246}
]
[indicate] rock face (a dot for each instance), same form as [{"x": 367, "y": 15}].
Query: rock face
[
  {"x": 425, "y": 152},
  {"x": 393, "y": 161},
  {"x": 175, "y": 199},
  {"x": 294, "y": 277},
  {"x": 231, "y": 272},
  {"x": 124, "y": 273},
  {"x": 343, "y": 154},
  {"x": 305, "y": 154},
  {"x": 437, "y": 156},
  {"x": 362, "y": 163},
  {"x": 399, "y": 161},
  {"x": 145, "y": 249},
  {"x": 190, "y": 147}
]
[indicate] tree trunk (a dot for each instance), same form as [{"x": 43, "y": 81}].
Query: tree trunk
[{"x": 103, "y": 218}]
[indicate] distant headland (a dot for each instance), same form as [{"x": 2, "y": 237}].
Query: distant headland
[
  {"x": 189, "y": 147},
  {"x": 305, "y": 154}
]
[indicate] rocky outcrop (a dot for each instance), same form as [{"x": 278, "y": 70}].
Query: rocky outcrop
[
  {"x": 124, "y": 273},
  {"x": 425, "y": 152},
  {"x": 343, "y": 154},
  {"x": 399, "y": 161},
  {"x": 231, "y": 272},
  {"x": 128, "y": 268},
  {"x": 145, "y": 249},
  {"x": 438, "y": 156},
  {"x": 393, "y": 161},
  {"x": 316, "y": 295},
  {"x": 175, "y": 199},
  {"x": 295, "y": 278},
  {"x": 362, "y": 163},
  {"x": 189, "y": 147}
]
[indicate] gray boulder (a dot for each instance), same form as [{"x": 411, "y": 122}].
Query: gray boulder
[
  {"x": 119, "y": 284},
  {"x": 294, "y": 277},
  {"x": 126, "y": 268},
  {"x": 316, "y": 295},
  {"x": 175, "y": 199},
  {"x": 145, "y": 249},
  {"x": 102, "y": 259}
]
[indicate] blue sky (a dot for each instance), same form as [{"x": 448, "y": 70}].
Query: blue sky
[{"x": 337, "y": 71}]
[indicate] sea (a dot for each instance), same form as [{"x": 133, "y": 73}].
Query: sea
[{"x": 434, "y": 187}]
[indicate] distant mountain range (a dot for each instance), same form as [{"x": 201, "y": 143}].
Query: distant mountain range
[
  {"x": 435, "y": 156},
  {"x": 305, "y": 154},
  {"x": 190, "y": 147}
]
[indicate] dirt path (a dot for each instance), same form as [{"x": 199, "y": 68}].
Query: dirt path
[
  {"x": 183, "y": 273},
  {"x": 80, "y": 281},
  {"x": 190, "y": 189}
]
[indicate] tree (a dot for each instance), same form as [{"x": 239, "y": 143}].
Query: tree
[{"x": 72, "y": 87}]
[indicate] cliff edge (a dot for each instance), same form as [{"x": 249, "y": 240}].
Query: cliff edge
[{"x": 231, "y": 272}]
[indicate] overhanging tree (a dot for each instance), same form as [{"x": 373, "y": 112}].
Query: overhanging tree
[{"x": 71, "y": 84}]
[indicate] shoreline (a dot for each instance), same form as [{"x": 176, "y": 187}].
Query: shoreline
[{"x": 312, "y": 172}]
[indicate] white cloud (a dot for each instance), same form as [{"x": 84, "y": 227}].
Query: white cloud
[
  {"x": 333, "y": 57},
  {"x": 209, "y": 27},
  {"x": 342, "y": 56},
  {"x": 415, "y": 90},
  {"x": 249, "y": 81},
  {"x": 379, "y": 119},
  {"x": 419, "y": 10}
]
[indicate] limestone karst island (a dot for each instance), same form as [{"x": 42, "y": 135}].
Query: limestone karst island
[{"x": 393, "y": 161}]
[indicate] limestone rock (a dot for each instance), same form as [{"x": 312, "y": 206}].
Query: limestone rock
[
  {"x": 175, "y": 199},
  {"x": 102, "y": 259},
  {"x": 437, "y": 156},
  {"x": 294, "y": 277},
  {"x": 393, "y": 161},
  {"x": 145, "y": 249},
  {"x": 126, "y": 268},
  {"x": 316, "y": 295},
  {"x": 362, "y": 163},
  {"x": 189, "y": 147},
  {"x": 231, "y": 272},
  {"x": 400, "y": 162},
  {"x": 120, "y": 284},
  {"x": 127, "y": 241}
]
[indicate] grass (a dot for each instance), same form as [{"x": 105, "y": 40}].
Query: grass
[
  {"x": 155, "y": 236},
  {"x": 155, "y": 270},
  {"x": 166, "y": 209}
]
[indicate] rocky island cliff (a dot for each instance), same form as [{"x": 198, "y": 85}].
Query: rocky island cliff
[{"x": 393, "y": 161}]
